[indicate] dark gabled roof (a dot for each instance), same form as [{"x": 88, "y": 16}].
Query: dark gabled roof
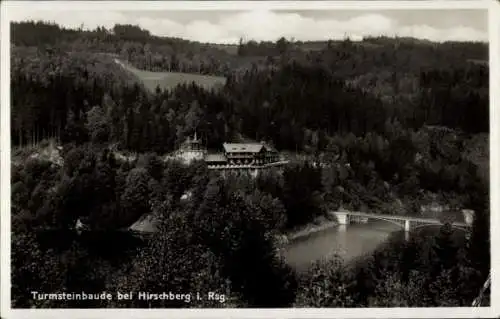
[
  {"x": 270, "y": 148},
  {"x": 215, "y": 158},
  {"x": 146, "y": 224},
  {"x": 242, "y": 147}
]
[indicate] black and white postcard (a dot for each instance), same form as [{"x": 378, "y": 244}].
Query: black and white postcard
[{"x": 262, "y": 159}]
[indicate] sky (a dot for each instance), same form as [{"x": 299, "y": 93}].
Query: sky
[{"x": 266, "y": 25}]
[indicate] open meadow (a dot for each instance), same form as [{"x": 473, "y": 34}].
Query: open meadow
[{"x": 169, "y": 80}]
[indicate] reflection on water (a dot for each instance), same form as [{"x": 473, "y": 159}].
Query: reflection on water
[{"x": 348, "y": 241}]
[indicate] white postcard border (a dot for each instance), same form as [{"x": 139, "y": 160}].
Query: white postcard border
[{"x": 8, "y": 8}]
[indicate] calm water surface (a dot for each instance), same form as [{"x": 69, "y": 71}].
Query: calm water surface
[{"x": 348, "y": 241}]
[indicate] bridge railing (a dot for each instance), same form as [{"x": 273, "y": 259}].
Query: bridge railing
[{"x": 400, "y": 218}]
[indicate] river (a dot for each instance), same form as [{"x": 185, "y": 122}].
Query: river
[{"x": 348, "y": 241}]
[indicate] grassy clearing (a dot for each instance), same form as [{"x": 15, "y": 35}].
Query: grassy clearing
[
  {"x": 169, "y": 80},
  {"x": 45, "y": 150}
]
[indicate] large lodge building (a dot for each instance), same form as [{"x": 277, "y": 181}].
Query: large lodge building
[
  {"x": 240, "y": 158},
  {"x": 250, "y": 157}
]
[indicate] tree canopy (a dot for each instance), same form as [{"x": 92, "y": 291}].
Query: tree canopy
[{"x": 386, "y": 125}]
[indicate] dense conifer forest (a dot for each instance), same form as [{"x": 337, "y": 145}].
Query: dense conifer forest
[{"x": 381, "y": 125}]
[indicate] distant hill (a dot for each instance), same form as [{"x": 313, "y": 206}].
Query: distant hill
[
  {"x": 228, "y": 48},
  {"x": 169, "y": 80}
]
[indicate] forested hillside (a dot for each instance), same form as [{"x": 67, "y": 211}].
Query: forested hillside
[
  {"x": 349, "y": 87},
  {"x": 394, "y": 123}
]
